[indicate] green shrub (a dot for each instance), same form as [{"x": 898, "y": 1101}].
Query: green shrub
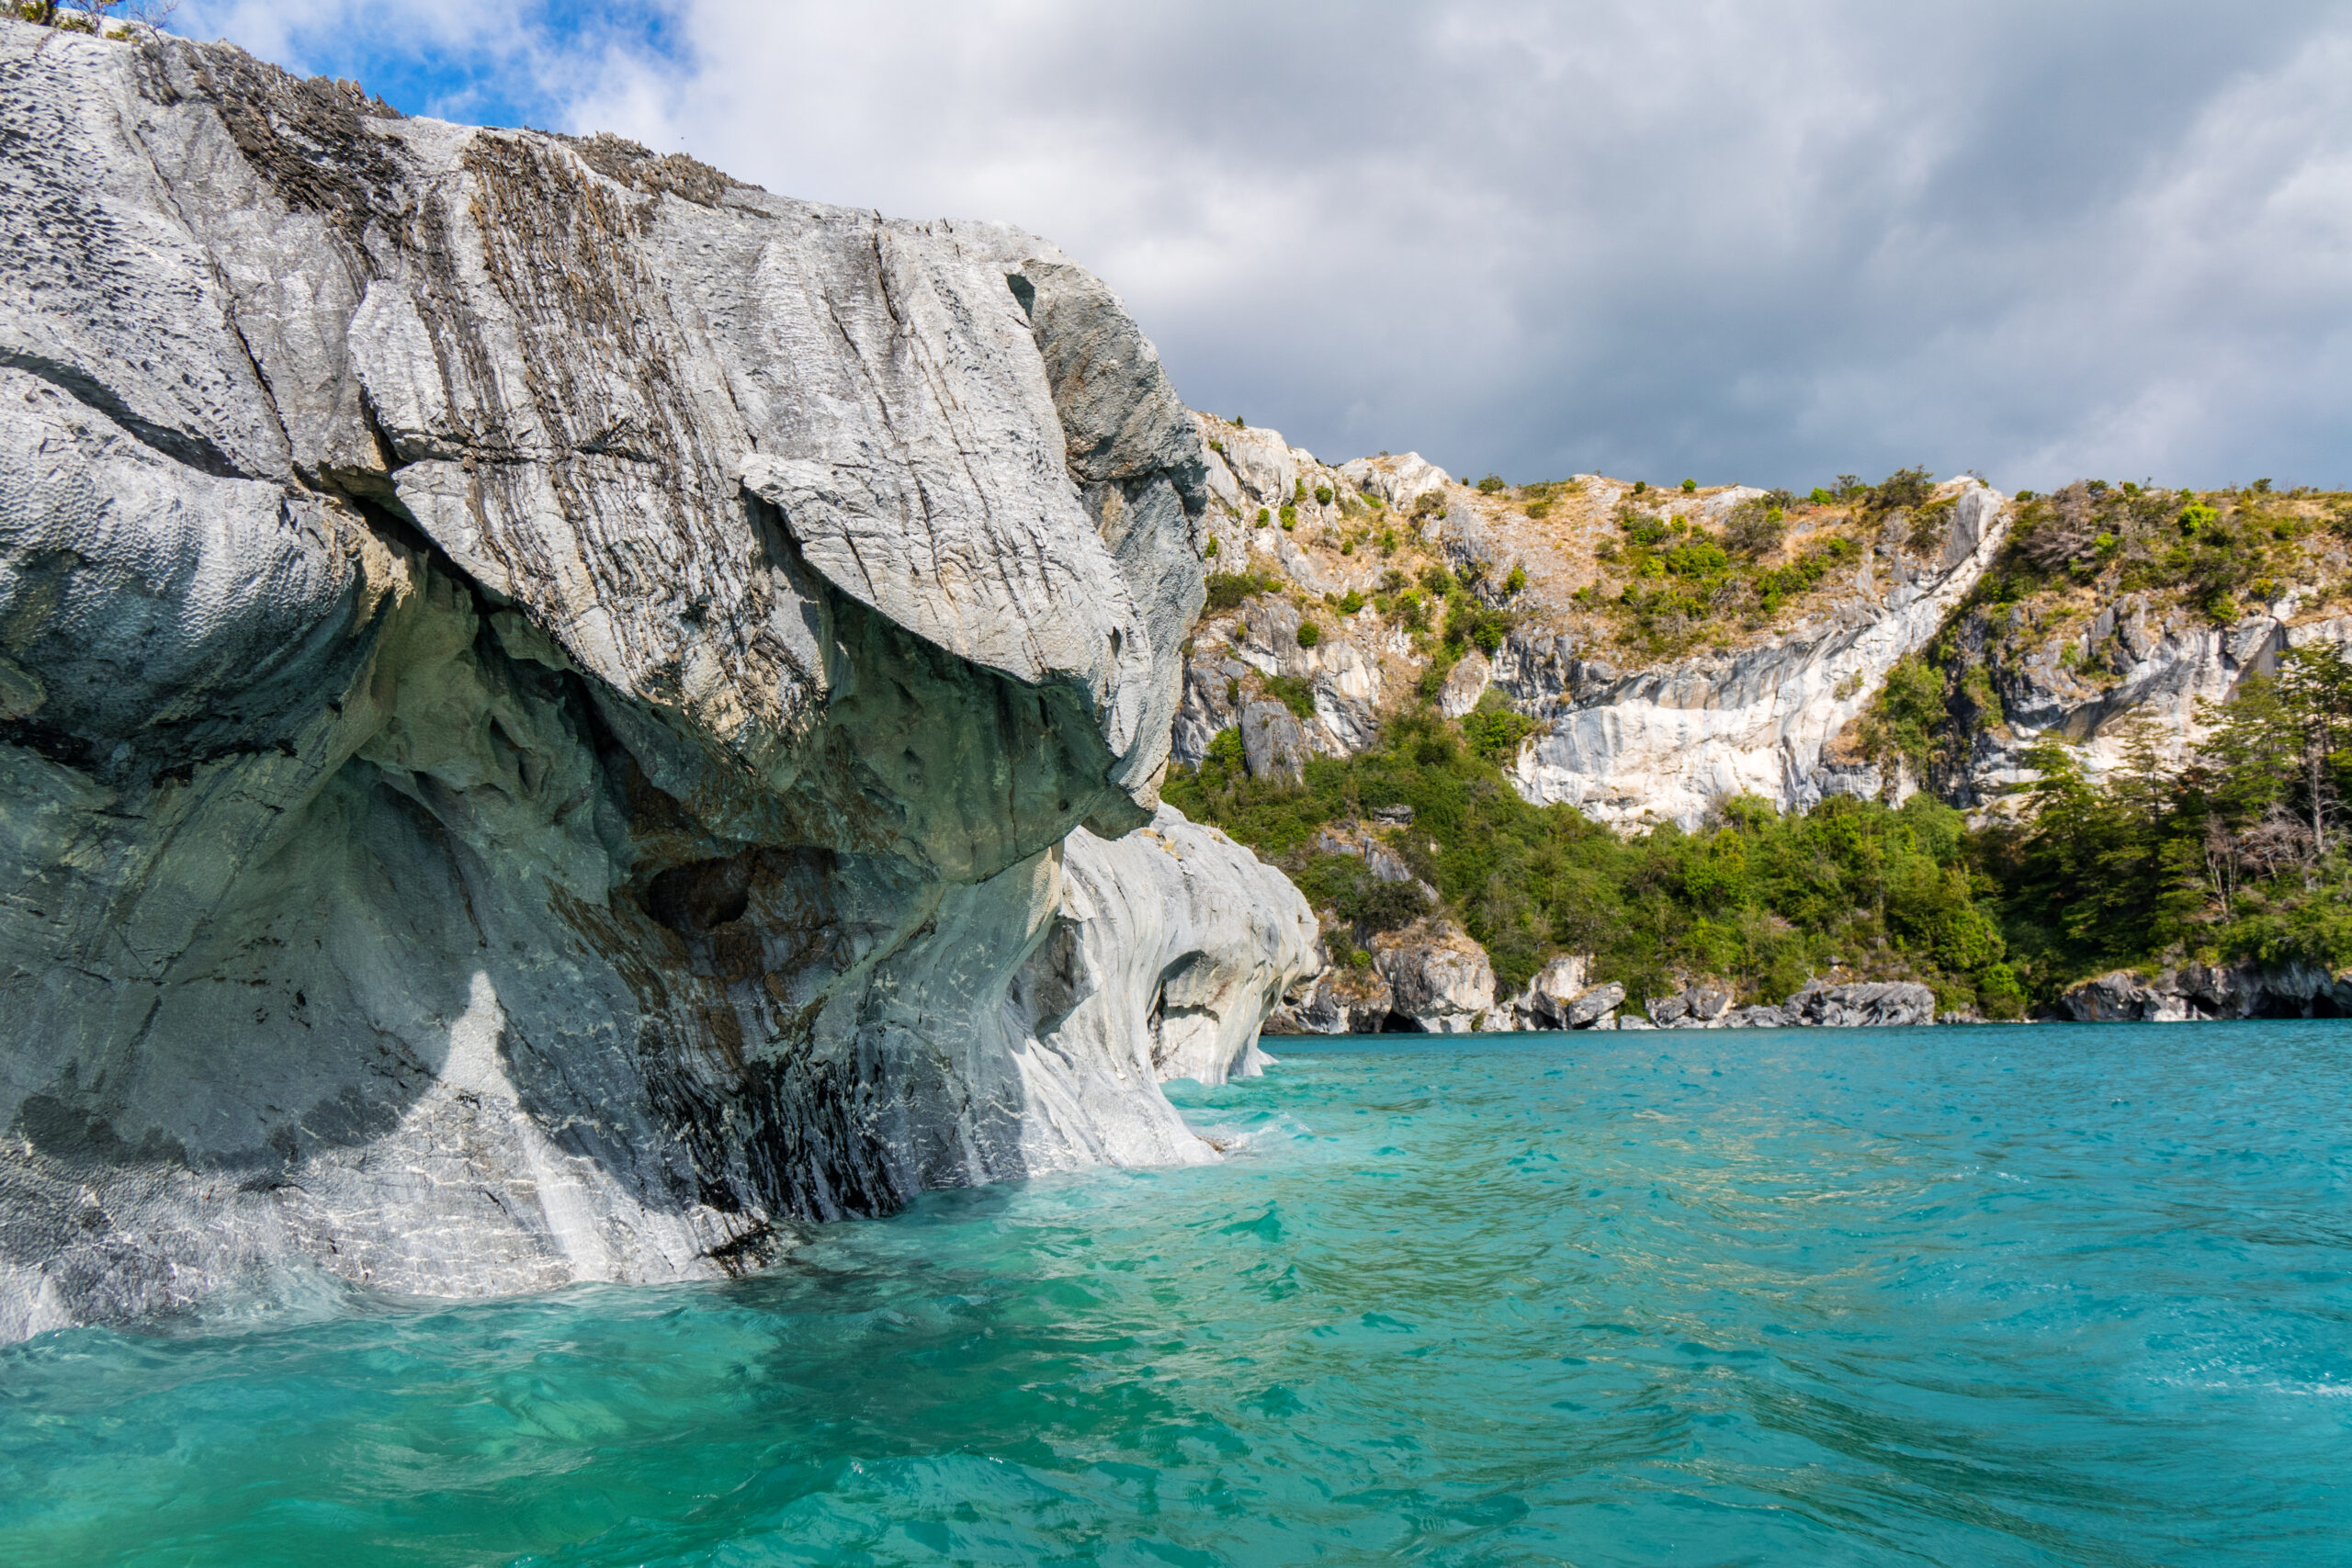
[
  {"x": 1346, "y": 886},
  {"x": 1228, "y": 590},
  {"x": 1293, "y": 693},
  {"x": 1516, "y": 581},
  {"x": 1264, "y": 516},
  {"x": 1495, "y": 734},
  {"x": 1905, "y": 716},
  {"x": 1641, "y": 486},
  {"x": 1754, "y": 529},
  {"x": 1290, "y": 518},
  {"x": 1930, "y": 525},
  {"x": 1689, "y": 486},
  {"x": 1208, "y": 551},
  {"x": 1323, "y": 496},
  {"x": 1467, "y": 621},
  {"x": 1309, "y": 634},
  {"x": 1999, "y": 995},
  {"x": 1491, "y": 484},
  {"x": 1904, "y": 487}
]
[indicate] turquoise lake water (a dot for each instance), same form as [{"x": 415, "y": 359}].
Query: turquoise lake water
[{"x": 2075, "y": 1295}]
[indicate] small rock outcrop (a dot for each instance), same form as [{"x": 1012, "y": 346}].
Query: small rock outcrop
[
  {"x": 1556, "y": 988},
  {"x": 1346, "y": 1001},
  {"x": 1866, "y": 1005},
  {"x": 1273, "y": 743},
  {"x": 1171, "y": 946},
  {"x": 1870, "y": 1005},
  {"x": 1439, "y": 979},
  {"x": 1400, "y": 482},
  {"x": 1464, "y": 684},
  {"x": 2198, "y": 992}
]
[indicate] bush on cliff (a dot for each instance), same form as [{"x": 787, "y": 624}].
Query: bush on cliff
[
  {"x": 2220, "y": 550},
  {"x": 1228, "y": 590}
]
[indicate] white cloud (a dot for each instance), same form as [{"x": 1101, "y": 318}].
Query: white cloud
[{"x": 1734, "y": 240}]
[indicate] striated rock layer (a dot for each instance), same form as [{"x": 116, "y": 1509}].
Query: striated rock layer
[{"x": 544, "y": 691}]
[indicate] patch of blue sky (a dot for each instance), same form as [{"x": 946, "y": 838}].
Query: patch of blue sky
[{"x": 514, "y": 65}]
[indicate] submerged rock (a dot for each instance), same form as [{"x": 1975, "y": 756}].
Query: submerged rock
[{"x": 544, "y": 692}]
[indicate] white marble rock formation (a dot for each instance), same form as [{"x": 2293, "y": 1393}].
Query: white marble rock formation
[
  {"x": 1667, "y": 744},
  {"x": 542, "y": 692}
]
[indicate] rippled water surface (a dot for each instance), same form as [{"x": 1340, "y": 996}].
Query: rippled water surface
[{"x": 1958, "y": 1296}]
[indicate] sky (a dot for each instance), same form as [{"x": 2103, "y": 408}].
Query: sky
[{"x": 1769, "y": 242}]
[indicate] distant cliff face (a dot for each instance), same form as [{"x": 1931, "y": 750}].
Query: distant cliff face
[
  {"x": 544, "y": 691},
  {"x": 2072, "y": 617},
  {"x": 1765, "y": 707},
  {"x": 1668, "y": 743}
]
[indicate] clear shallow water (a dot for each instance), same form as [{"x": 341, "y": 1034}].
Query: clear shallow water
[{"x": 2029, "y": 1296}]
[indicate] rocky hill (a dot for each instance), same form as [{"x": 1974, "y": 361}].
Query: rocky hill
[
  {"x": 1676, "y": 648},
  {"x": 1678, "y": 658}
]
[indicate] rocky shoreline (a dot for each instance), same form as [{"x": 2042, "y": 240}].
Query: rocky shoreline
[
  {"x": 1434, "y": 981},
  {"x": 2199, "y": 993}
]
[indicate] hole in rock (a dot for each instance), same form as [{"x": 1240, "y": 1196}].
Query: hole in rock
[{"x": 693, "y": 898}]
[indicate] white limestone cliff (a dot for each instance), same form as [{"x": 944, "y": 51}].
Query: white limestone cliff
[
  {"x": 543, "y": 693},
  {"x": 1665, "y": 744}
]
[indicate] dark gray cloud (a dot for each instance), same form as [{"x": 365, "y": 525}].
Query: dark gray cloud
[{"x": 1758, "y": 242}]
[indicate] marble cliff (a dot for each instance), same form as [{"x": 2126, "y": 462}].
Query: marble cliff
[{"x": 562, "y": 714}]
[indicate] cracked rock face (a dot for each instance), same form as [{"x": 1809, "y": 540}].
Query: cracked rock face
[
  {"x": 2125, "y": 667},
  {"x": 1438, "y": 979},
  {"x": 544, "y": 691}
]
